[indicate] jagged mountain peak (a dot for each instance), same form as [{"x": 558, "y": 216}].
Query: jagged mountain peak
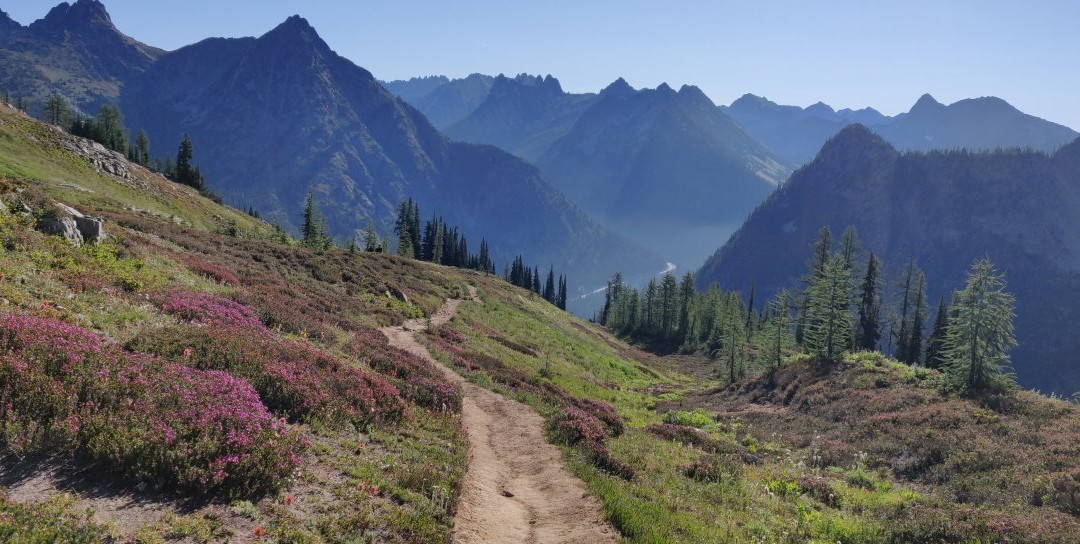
[
  {"x": 619, "y": 87},
  {"x": 82, "y": 14},
  {"x": 665, "y": 89},
  {"x": 821, "y": 109},
  {"x": 750, "y": 99},
  {"x": 7, "y": 23},
  {"x": 295, "y": 28}
]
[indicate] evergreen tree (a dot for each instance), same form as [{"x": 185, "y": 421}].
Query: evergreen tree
[
  {"x": 903, "y": 324},
  {"x": 669, "y": 307},
  {"x": 822, "y": 248},
  {"x": 142, "y": 148},
  {"x": 549, "y": 293},
  {"x": 918, "y": 322},
  {"x": 868, "y": 331},
  {"x": 407, "y": 229},
  {"x": 561, "y": 303},
  {"x": 184, "y": 171},
  {"x": 779, "y": 336},
  {"x": 935, "y": 345},
  {"x": 980, "y": 334},
  {"x": 313, "y": 230},
  {"x": 828, "y": 327},
  {"x": 536, "y": 280},
  {"x": 686, "y": 304},
  {"x": 56, "y": 110},
  {"x": 371, "y": 238}
]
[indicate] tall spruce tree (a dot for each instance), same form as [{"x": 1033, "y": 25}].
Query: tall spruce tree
[
  {"x": 184, "y": 171},
  {"x": 868, "y": 330},
  {"x": 822, "y": 248},
  {"x": 549, "y": 293},
  {"x": 828, "y": 328},
  {"x": 779, "y": 335},
  {"x": 562, "y": 293},
  {"x": 935, "y": 345},
  {"x": 313, "y": 230},
  {"x": 980, "y": 334},
  {"x": 56, "y": 110},
  {"x": 142, "y": 148}
]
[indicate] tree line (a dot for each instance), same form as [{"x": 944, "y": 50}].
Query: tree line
[
  {"x": 839, "y": 307},
  {"x": 519, "y": 274},
  {"x": 108, "y": 129}
]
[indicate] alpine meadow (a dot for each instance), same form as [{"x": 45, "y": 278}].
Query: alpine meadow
[{"x": 470, "y": 272}]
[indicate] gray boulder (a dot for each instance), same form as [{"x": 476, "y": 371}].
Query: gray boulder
[{"x": 75, "y": 227}]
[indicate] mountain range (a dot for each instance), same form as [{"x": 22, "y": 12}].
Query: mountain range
[
  {"x": 665, "y": 167},
  {"x": 442, "y": 100},
  {"x": 75, "y": 51},
  {"x": 975, "y": 124},
  {"x": 942, "y": 209}
]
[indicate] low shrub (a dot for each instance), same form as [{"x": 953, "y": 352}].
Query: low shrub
[
  {"x": 53, "y": 520},
  {"x": 714, "y": 468},
  {"x": 211, "y": 310},
  {"x": 683, "y": 434},
  {"x": 63, "y": 388},
  {"x": 574, "y": 426},
  {"x": 697, "y": 418},
  {"x": 293, "y": 379}
]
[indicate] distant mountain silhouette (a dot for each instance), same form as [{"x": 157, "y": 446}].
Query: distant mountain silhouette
[
  {"x": 442, "y": 100},
  {"x": 628, "y": 156},
  {"x": 975, "y": 124},
  {"x": 280, "y": 115},
  {"x": 74, "y": 50},
  {"x": 522, "y": 115},
  {"x": 943, "y": 209}
]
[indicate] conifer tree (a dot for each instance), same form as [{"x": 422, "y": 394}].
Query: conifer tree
[
  {"x": 536, "y": 280},
  {"x": 822, "y": 248},
  {"x": 980, "y": 334},
  {"x": 549, "y": 293},
  {"x": 779, "y": 336},
  {"x": 562, "y": 293},
  {"x": 184, "y": 171},
  {"x": 918, "y": 322},
  {"x": 935, "y": 345},
  {"x": 313, "y": 230},
  {"x": 828, "y": 327},
  {"x": 142, "y": 148},
  {"x": 868, "y": 330},
  {"x": 686, "y": 303},
  {"x": 56, "y": 110},
  {"x": 371, "y": 238},
  {"x": 668, "y": 306}
]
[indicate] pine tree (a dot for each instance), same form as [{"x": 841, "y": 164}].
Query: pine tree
[
  {"x": 778, "y": 333},
  {"x": 918, "y": 322},
  {"x": 822, "y": 248},
  {"x": 142, "y": 148},
  {"x": 549, "y": 286},
  {"x": 404, "y": 227},
  {"x": 980, "y": 334},
  {"x": 935, "y": 345},
  {"x": 562, "y": 293},
  {"x": 56, "y": 110},
  {"x": 184, "y": 171},
  {"x": 687, "y": 290},
  {"x": 536, "y": 280},
  {"x": 313, "y": 230},
  {"x": 868, "y": 331},
  {"x": 668, "y": 306},
  {"x": 828, "y": 328},
  {"x": 371, "y": 238},
  {"x": 903, "y": 324}
]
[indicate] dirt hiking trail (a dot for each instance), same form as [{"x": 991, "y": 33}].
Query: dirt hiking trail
[{"x": 516, "y": 487}]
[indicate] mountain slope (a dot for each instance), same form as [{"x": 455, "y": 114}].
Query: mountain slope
[
  {"x": 665, "y": 167},
  {"x": 522, "y": 115},
  {"x": 942, "y": 209},
  {"x": 975, "y": 124},
  {"x": 443, "y": 101},
  {"x": 280, "y": 115},
  {"x": 74, "y": 50}
]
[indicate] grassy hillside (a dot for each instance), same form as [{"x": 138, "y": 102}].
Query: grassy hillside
[{"x": 190, "y": 379}]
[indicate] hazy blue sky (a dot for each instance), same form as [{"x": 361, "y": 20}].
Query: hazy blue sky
[{"x": 849, "y": 53}]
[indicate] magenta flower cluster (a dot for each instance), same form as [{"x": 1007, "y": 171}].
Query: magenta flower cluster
[
  {"x": 416, "y": 378},
  {"x": 293, "y": 379},
  {"x": 63, "y": 388},
  {"x": 207, "y": 309}
]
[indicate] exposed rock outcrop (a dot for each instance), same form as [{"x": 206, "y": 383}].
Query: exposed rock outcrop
[{"x": 70, "y": 223}]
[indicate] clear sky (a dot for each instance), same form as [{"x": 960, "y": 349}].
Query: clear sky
[{"x": 847, "y": 53}]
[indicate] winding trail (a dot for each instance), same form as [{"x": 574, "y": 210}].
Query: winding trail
[{"x": 516, "y": 489}]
